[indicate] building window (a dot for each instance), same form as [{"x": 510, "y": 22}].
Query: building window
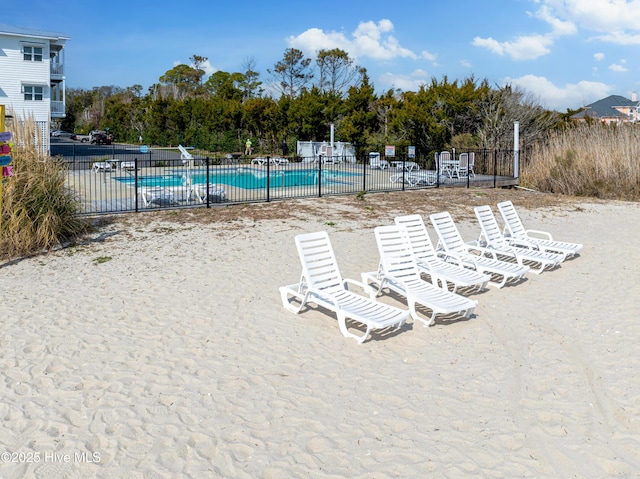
[
  {"x": 33, "y": 93},
  {"x": 32, "y": 54}
]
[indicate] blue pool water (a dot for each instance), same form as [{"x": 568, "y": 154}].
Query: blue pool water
[{"x": 243, "y": 178}]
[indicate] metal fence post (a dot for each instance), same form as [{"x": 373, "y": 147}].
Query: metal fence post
[
  {"x": 268, "y": 179},
  {"x": 206, "y": 163},
  {"x": 320, "y": 158},
  {"x": 364, "y": 174},
  {"x": 135, "y": 182}
]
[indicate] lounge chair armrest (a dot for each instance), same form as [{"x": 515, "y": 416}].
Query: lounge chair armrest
[
  {"x": 546, "y": 234},
  {"x": 424, "y": 264},
  {"x": 519, "y": 242},
  {"x": 451, "y": 258},
  {"x": 360, "y": 284},
  {"x": 480, "y": 249}
]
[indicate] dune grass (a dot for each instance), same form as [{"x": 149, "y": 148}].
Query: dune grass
[
  {"x": 587, "y": 160},
  {"x": 38, "y": 211}
]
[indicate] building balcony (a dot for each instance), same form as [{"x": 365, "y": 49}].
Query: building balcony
[
  {"x": 57, "y": 109},
  {"x": 57, "y": 71}
]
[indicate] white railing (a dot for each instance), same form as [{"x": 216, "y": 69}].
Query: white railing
[
  {"x": 57, "y": 108},
  {"x": 57, "y": 69}
]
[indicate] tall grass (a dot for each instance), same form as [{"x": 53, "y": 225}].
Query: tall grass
[
  {"x": 587, "y": 160},
  {"x": 38, "y": 211}
]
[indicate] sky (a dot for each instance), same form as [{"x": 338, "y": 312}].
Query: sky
[{"x": 565, "y": 53}]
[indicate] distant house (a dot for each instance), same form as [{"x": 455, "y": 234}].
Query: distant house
[
  {"x": 612, "y": 109},
  {"x": 32, "y": 79}
]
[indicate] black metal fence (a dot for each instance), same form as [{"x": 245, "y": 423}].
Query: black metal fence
[{"x": 124, "y": 178}]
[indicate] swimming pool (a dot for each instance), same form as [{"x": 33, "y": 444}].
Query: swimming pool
[{"x": 247, "y": 178}]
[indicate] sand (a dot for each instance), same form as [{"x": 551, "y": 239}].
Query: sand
[{"x": 160, "y": 349}]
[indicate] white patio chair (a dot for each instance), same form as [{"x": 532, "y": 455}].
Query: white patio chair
[
  {"x": 472, "y": 162},
  {"x": 448, "y": 165},
  {"x": 440, "y": 272},
  {"x": 542, "y": 240},
  {"x": 321, "y": 283},
  {"x": 462, "y": 169},
  {"x": 455, "y": 250},
  {"x": 491, "y": 237},
  {"x": 399, "y": 272}
]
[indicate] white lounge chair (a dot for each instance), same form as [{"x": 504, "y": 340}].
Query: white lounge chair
[
  {"x": 376, "y": 162},
  {"x": 491, "y": 237},
  {"x": 513, "y": 228},
  {"x": 399, "y": 272},
  {"x": 261, "y": 161},
  {"x": 321, "y": 283},
  {"x": 456, "y": 251},
  {"x": 421, "y": 178},
  {"x": 127, "y": 165},
  {"x": 156, "y": 196},
  {"x": 102, "y": 166},
  {"x": 216, "y": 192},
  {"x": 440, "y": 272}
]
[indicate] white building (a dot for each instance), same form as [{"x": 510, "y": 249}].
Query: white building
[{"x": 32, "y": 80}]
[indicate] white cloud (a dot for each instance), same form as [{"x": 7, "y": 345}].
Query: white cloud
[
  {"x": 370, "y": 39},
  {"x": 208, "y": 68},
  {"x": 598, "y": 56},
  {"x": 572, "y": 95},
  {"x": 599, "y": 15},
  {"x": 523, "y": 48},
  {"x": 620, "y": 38},
  {"x": 616, "y": 67},
  {"x": 411, "y": 82},
  {"x": 559, "y": 27},
  {"x": 428, "y": 56},
  {"x": 530, "y": 47},
  {"x": 615, "y": 21}
]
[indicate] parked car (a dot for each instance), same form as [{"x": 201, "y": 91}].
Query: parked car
[
  {"x": 61, "y": 134},
  {"x": 100, "y": 137},
  {"x": 80, "y": 138}
]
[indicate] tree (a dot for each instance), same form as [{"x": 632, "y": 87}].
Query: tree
[
  {"x": 197, "y": 61},
  {"x": 250, "y": 83},
  {"x": 182, "y": 79},
  {"x": 225, "y": 85},
  {"x": 291, "y": 73},
  {"x": 502, "y": 107},
  {"x": 360, "y": 121},
  {"x": 336, "y": 69}
]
